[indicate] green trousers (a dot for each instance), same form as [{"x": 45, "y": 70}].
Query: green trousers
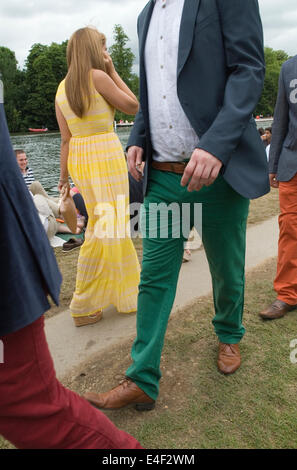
[{"x": 224, "y": 215}]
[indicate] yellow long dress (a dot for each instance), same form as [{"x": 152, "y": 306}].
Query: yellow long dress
[{"x": 108, "y": 268}]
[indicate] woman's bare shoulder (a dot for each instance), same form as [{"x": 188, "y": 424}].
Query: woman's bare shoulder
[
  {"x": 102, "y": 81},
  {"x": 99, "y": 75}
]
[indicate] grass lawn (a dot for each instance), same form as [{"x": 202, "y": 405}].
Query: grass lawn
[
  {"x": 198, "y": 407},
  {"x": 264, "y": 207}
]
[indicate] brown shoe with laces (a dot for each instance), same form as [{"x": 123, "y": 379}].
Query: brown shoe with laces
[
  {"x": 229, "y": 358},
  {"x": 277, "y": 309},
  {"x": 126, "y": 393}
]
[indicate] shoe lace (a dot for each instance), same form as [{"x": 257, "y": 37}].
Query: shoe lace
[
  {"x": 226, "y": 346},
  {"x": 125, "y": 382}
]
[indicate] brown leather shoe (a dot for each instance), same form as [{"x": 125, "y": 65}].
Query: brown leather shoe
[
  {"x": 126, "y": 393},
  {"x": 277, "y": 309},
  {"x": 229, "y": 358}
]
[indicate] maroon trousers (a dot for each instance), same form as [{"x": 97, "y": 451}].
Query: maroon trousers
[{"x": 37, "y": 412}]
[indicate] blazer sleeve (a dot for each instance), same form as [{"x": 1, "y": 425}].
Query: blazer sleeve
[
  {"x": 280, "y": 124},
  {"x": 242, "y": 36},
  {"x": 137, "y": 136}
]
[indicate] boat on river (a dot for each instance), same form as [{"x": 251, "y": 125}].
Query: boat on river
[
  {"x": 44, "y": 129},
  {"x": 122, "y": 124}
]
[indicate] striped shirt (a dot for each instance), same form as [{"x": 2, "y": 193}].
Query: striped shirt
[{"x": 28, "y": 177}]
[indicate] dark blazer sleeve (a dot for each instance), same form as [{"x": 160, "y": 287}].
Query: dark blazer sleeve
[
  {"x": 244, "y": 54},
  {"x": 137, "y": 136},
  {"x": 280, "y": 124},
  {"x": 29, "y": 269},
  {"x": 138, "y": 133}
]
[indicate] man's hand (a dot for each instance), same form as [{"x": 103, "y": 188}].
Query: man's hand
[
  {"x": 202, "y": 169},
  {"x": 135, "y": 163},
  {"x": 273, "y": 181}
]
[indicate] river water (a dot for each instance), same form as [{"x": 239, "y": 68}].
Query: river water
[{"x": 43, "y": 152}]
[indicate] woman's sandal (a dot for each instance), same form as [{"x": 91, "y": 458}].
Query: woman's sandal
[{"x": 89, "y": 319}]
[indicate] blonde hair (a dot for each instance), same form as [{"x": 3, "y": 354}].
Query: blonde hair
[
  {"x": 84, "y": 52},
  {"x": 103, "y": 39}
]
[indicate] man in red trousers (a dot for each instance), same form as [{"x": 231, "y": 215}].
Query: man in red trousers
[{"x": 36, "y": 411}]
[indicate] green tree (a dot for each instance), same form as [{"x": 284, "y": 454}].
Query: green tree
[
  {"x": 123, "y": 59},
  {"x": 8, "y": 69},
  {"x": 57, "y": 56},
  {"x": 45, "y": 68},
  {"x": 20, "y": 99},
  {"x": 34, "y": 102},
  {"x": 274, "y": 60}
]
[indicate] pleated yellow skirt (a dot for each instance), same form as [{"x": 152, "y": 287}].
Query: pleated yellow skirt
[{"x": 108, "y": 267}]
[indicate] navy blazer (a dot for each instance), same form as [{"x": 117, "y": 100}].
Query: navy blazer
[
  {"x": 28, "y": 265},
  {"x": 220, "y": 75}
]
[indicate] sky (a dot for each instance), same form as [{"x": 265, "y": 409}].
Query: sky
[{"x": 24, "y": 23}]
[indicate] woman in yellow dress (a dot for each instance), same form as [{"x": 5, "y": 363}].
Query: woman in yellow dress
[{"x": 108, "y": 268}]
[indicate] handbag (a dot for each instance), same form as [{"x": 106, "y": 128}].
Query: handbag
[{"x": 68, "y": 209}]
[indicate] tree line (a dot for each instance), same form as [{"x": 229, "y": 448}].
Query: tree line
[{"x": 30, "y": 93}]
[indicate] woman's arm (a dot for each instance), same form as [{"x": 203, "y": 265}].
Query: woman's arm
[
  {"x": 65, "y": 138},
  {"x": 114, "y": 90},
  {"x": 111, "y": 71}
]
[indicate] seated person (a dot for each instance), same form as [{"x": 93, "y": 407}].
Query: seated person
[
  {"x": 37, "y": 190},
  {"x": 80, "y": 205},
  {"x": 23, "y": 165},
  {"x": 49, "y": 214},
  {"x": 34, "y": 186},
  {"x": 47, "y": 206}
]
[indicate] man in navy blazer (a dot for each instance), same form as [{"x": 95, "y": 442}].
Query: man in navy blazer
[
  {"x": 283, "y": 175},
  {"x": 201, "y": 76}
]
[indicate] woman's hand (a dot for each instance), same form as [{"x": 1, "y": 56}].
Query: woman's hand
[
  {"x": 108, "y": 63},
  {"x": 63, "y": 182}
]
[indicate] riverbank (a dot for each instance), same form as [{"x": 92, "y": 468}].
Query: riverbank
[
  {"x": 260, "y": 210},
  {"x": 43, "y": 152},
  {"x": 199, "y": 408}
]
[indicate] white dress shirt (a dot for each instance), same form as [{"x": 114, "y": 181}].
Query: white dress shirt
[{"x": 173, "y": 137}]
